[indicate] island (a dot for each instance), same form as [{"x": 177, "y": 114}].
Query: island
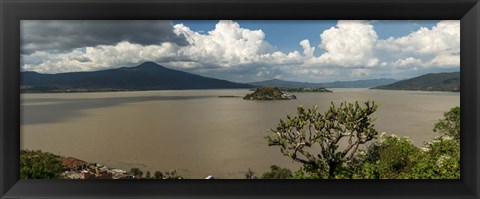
[
  {"x": 269, "y": 93},
  {"x": 306, "y": 90},
  {"x": 229, "y": 96}
]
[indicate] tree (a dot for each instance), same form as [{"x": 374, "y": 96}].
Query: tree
[
  {"x": 441, "y": 158},
  {"x": 348, "y": 123},
  {"x": 391, "y": 157},
  {"x": 450, "y": 124},
  {"x": 39, "y": 165},
  {"x": 148, "y": 175},
  {"x": 277, "y": 173},
  {"x": 136, "y": 172},
  {"x": 172, "y": 174},
  {"x": 158, "y": 175},
  {"x": 250, "y": 174},
  {"x": 394, "y": 157}
]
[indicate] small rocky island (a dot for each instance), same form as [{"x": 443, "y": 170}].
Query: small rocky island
[
  {"x": 269, "y": 93},
  {"x": 306, "y": 90}
]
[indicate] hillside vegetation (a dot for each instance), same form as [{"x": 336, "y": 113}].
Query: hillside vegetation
[
  {"x": 146, "y": 76},
  {"x": 369, "y": 83},
  {"x": 269, "y": 93},
  {"x": 428, "y": 82}
]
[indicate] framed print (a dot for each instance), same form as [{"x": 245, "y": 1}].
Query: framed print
[{"x": 241, "y": 99}]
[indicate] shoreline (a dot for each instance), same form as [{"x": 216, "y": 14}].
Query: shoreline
[{"x": 220, "y": 89}]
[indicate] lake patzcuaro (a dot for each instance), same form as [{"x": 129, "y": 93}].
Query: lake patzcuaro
[{"x": 197, "y": 132}]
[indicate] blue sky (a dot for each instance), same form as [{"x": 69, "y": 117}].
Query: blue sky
[
  {"x": 247, "y": 50},
  {"x": 285, "y": 34}
]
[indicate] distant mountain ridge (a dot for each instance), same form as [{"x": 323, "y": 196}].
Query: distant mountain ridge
[
  {"x": 428, "y": 82},
  {"x": 146, "y": 76},
  {"x": 336, "y": 84},
  {"x": 151, "y": 76}
]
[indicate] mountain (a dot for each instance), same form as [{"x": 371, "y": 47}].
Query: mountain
[
  {"x": 336, "y": 84},
  {"x": 146, "y": 76},
  {"x": 428, "y": 82}
]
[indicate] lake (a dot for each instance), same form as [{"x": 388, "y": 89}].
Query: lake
[{"x": 196, "y": 132}]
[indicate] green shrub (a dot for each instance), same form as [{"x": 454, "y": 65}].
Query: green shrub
[
  {"x": 307, "y": 172},
  {"x": 136, "y": 172},
  {"x": 441, "y": 157},
  {"x": 40, "y": 165},
  {"x": 172, "y": 175},
  {"x": 250, "y": 174},
  {"x": 450, "y": 124},
  {"x": 277, "y": 173},
  {"x": 441, "y": 160},
  {"x": 158, "y": 175},
  {"x": 148, "y": 175},
  {"x": 394, "y": 156}
]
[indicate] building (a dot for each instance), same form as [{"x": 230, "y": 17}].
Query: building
[
  {"x": 73, "y": 164},
  {"x": 91, "y": 173}
]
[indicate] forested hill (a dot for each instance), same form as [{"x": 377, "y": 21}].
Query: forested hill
[
  {"x": 429, "y": 82},
  {"x": 146, "y": 76},
  {"x": 336, "y": 84}
]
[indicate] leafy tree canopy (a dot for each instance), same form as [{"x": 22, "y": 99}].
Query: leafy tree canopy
[
  {"x": 348, "y": 123},
  {"x": 277, "y": 172},
  {"x": 39, "y": 165}
]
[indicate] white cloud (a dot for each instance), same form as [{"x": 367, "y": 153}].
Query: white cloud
[
  {"x": 307, "y": 49},
  {"x": 445, "y": 60},
  {"x": 351, "y": 49},
  {"x": 360, "y": 72},
  {"x": 407, "y": 62},
  {"x": 442, "y": 38},
  {"x": 349, "y": 44},
  {"x": 354, "y": 44},
  {"x": 227, "y": 45},
  {"x": 435, "y": 47},
  {"x": 101, "y": 57}
]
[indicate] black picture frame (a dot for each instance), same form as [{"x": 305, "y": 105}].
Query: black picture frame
[{"x": 12, "y": 11}]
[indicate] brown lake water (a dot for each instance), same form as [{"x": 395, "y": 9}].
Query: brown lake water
[{"x": 196, "y": 132}]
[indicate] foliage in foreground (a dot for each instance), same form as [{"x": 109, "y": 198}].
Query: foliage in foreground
[
  {"x": 387, "y": 157},
  {"x": 43, "y": 165},
  {"x": 450, "y": 125},
  {"x": 39, "y": 165},
  {"x": 158, "y": 175},
  {"x": 338, "y": 133},
  {"x": 277, "y": 172},
  {"x": 250, "y": 174}
]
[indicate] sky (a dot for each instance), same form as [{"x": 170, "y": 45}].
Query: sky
[{"x": 246, "y": 51}]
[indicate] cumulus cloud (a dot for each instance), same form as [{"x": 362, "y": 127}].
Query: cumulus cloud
[
  {"x": 98, "y": 57},
  {"x": 349, "y": 50},
  {"x": 407, "y": 62},
  {"x": 307, "y": 49},
  {"x": 349, "y": 44},
  {"x": 435, "y": 47},
  {"x": 231, "y": 45},
  {"x": 442, "y": 38},
  {"x": 226, "y": 46},
  {"x": 61, "y": 35},
  {"x": 355, "y": 45}
]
